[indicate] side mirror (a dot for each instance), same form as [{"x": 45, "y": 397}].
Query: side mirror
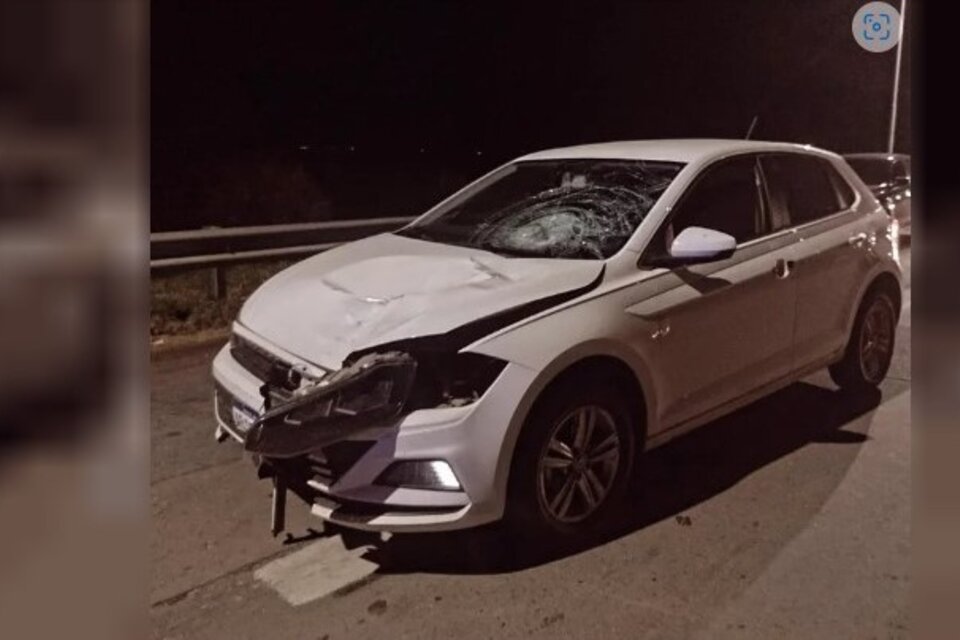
[{"x": 697, "y": 245}]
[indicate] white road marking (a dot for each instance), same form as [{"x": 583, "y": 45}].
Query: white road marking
[{"x": 315, "y": 571}]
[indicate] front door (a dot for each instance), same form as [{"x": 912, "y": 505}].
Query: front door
[{"x": 723, "y": 328}]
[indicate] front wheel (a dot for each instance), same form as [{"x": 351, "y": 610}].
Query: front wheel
[
  {"x": 573, "y": 463},
  {"x": 870, "y": 350}
]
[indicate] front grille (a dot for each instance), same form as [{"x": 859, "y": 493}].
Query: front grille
[
  {"x": 258, "y": 361},
  {"x": 330, "y": 463},
  {"x": 326, "y": 466}
]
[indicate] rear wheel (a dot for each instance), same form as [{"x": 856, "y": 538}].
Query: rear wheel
[
  {"x": 573, "y": 463},
  {"x": 870, "y": 350}
]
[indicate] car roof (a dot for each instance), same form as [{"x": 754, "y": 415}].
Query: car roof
[
  {"x": 865, "y": 155},
  {"x": 685, "y": 150}
]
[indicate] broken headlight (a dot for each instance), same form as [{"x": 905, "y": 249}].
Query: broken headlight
[
  {"x": 380, "y": 393},
  {"x": 365, "y": 394},
  {"x": 369, "y": 392},
  {"x": 452, "y": 379}
]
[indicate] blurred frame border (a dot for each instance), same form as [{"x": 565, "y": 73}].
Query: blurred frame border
[
  {"x": 935, "y": 330},
  {"x": 74, "y": 415}
]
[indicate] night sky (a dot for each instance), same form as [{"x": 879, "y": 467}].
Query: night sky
[{"x": 409, "y": 99}]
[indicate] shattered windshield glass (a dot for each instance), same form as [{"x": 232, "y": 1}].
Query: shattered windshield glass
[{"x": 583, "y": 208}]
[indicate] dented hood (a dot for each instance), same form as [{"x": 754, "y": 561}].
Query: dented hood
[{"x": 387, "y": 287}]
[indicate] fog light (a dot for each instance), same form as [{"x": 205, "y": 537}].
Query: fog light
[{"x": 420, "y": 474}]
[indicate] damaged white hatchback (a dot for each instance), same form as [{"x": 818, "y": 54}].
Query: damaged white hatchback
[{"x": 513, "y": 352}]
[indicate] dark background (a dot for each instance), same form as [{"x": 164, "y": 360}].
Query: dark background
[{"x": 268, "y": 112}]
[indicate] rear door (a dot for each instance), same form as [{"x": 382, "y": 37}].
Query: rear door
[
  {"x": 831, "y": 252},
  {"x": 724, "y": 328}
]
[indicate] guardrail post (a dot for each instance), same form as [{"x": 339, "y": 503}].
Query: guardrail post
[{"x": 218, "y": 283}]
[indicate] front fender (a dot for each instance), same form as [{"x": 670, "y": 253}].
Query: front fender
[{"x": 550, "y": 372}]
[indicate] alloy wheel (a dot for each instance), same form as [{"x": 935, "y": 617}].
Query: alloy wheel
[
  {"x": 578, "y": 464},
  {"x": 876, "y": 341}
]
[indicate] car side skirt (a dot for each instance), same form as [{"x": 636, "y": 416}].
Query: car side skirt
[{"x": 675, "y": 431}]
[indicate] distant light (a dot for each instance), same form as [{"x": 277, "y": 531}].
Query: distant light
[
  {"x": 421, "y": 149},
  {"x": 350, "y": 147},
  {"x": 479, "y": 153},
  {"x": 304, "y": 147}
]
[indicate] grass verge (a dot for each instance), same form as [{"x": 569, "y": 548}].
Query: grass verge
[{"x": 181, "y": 304}]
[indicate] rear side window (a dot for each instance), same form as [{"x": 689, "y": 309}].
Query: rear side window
[
  {"x": 841, "y": 187},
  {"x": 807, "y": 186}
]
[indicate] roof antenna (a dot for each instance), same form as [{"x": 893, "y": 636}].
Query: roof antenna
[{"x": 753, "y": 123}]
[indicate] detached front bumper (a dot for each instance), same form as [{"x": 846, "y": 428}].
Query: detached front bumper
[{"x": 339, "y": 481}]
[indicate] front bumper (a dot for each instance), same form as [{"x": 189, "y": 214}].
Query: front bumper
[{"x": 338, "y": 482}]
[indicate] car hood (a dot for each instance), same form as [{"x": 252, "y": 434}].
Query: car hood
[{"x": 387, "y": 288}]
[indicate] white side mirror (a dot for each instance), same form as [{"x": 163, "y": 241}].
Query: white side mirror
[{"x": 698, "y": 244}]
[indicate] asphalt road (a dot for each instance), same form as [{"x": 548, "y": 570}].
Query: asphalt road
[{"x": 787, "y": 519}]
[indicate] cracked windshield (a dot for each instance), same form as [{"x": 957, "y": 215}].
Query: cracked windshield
[{"x": 579, "y": 209}]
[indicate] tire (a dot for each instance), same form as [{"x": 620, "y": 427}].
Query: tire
[
  {"x": 869, "y": 351},
  {"x": 542, "y": 470}
]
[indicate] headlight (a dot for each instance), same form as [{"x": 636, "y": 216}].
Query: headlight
[
  {"x": 379, "y": 388},
  {"x": 369, "y": 392},
  {"x": 452, "y": 379}
]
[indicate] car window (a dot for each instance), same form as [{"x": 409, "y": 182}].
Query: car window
[
  {"x": 776, "y": 200},
  {"x": 804, "y": 184},
  {"x": 725, "y": 197},
  {"x": 568, "y": 208},
  {"x": 842, "y": 188}
]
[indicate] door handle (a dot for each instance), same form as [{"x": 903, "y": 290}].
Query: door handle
[
  {"x": 783, "y": 268},
  {"x": 858, "y": 240}
]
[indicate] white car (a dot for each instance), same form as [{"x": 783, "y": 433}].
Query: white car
[{"x": 512, "y": 352}]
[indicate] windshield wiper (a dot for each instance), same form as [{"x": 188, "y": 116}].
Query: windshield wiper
[
  {"x": 414, "y": 232},
  {"x": 439, "y": 232},
  {"x": 514, "y": 252}
]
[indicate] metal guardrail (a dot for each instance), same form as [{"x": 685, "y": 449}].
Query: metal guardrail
[{"x": 215, "y": 248}]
